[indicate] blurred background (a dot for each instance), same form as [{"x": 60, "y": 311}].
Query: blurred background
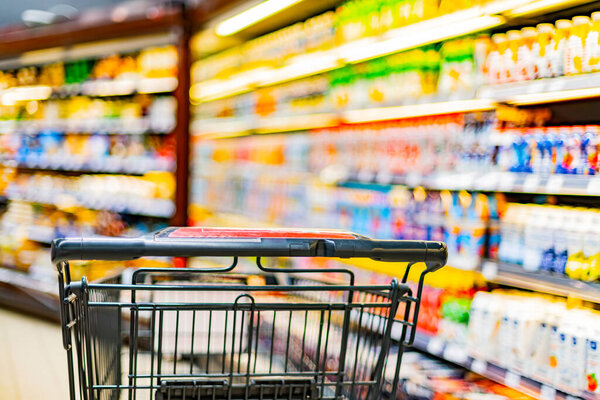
[{"x": 474, "y": 122}]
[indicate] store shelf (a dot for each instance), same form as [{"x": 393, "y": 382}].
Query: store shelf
[
  {"x": 445, "y": 27},
  {"x": 539, "y": 91},
  {"x": 159, "y": 208},
  {"x": 96, "y": 88},
  {"x": 540, "y": 281},
  {"x": 417, "y": 110},
  {"x": 457, "y": 354},
  {"x": 228, "y": 127},
  {"x": 116, "y": 126},
  {"x": 110, "y": 164},
  {"x": 36, "y": 233},
  {"x": 120, "y": 87},
  {"x": 21, "y": 291},
  {"x": 296, "y": 123},
  {"x": 543, "y": 91},
  {"x": 24, "y": 280},
  {"x": 508, "y": 182}
]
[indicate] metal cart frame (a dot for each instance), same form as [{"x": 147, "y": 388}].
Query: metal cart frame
[{"x": 303, "y": 339}]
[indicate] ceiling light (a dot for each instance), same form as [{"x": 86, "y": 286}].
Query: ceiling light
[{"x": 252, "y": 16}]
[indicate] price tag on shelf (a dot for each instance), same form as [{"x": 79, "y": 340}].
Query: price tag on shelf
[
  {"x": 506, "y": 182},
  {"x": 489, "y": 270},
  {"x": 511, "y": 379},
  {"x": 531, "y": 183},
  {"x": 455, "y": 354},
  {"x": 555, "y": 183},
  {"x": 547, "y": 392},
  {"x": 435, "y": 346},
  {"x": 593, "y": 186},
  {"x": 478, "y": 366}
]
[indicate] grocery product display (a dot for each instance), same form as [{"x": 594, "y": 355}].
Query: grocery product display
[
  {"x": 87, "y": 147},
  {"x": 428, "y": 378},
  {"x": 395, "y": 121},
  {"x": 470, "y": 122},
  {"x": 537, "y": 336}
]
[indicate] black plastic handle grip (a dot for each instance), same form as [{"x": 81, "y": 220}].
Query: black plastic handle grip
[{"x": 162, "y": 243}]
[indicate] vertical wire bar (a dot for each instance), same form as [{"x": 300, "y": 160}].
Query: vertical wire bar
[
  {"x": 232, "y": 357},
  {"x": 401, "y": 344},
  {"x": 208, "y": 339},
  {"x": 78, "y": 317},
  {"x": 241, "y": 340},
  {"x": 370, "y": 337},
  {"x": 135, "y": 352},
  {"x": 256, "y": 340},
  {"x": 160, "y": 341},
  {"x": 324, "y": 370},
  {"x": 87, "y": 343},
  {"x": 303, "y": 341},
  {"x": 318, "y": 354},
  {"x": 393, "y": 295},
  {"x": 176, "y": 342},
  {"x": 94, "y": 343},
  {"x": 356, "y": 352},
  {"x": 225, "y": 341},
  {"x": 131, "y": 346},
  {"x": 344, "y": 344},
  {"x": 250, "y": 331},
  {"x": 287, "y": 347},
  {"x": 375, "y": 338},
  {"x": 120, "y": 340},
  {"x": 193, "y": 355},
  {"x": 272, "y": 342},
  {"x": 152, "y": 339}
]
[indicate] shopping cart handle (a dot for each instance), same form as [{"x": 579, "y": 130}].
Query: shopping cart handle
[{"x": 197, "y": 242}]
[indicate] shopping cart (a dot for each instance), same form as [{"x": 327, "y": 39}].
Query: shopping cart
[{"x": 214, "y": 333}]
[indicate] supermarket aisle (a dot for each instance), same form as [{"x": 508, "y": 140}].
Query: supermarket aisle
[{"x": 32, "y": 360}]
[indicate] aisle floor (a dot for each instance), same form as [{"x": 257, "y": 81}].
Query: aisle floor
[{"x": 33, "y": 363}]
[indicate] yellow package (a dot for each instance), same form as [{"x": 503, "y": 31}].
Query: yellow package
[
  {"x": 543, "y": 50},
  {"x": 592, "y": 44},
  {"x": 574, "y": 52},
  {"x": 559, "y": 44}
]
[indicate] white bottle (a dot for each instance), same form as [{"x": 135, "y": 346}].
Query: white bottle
[
  {"x": 532, "y": 255},
  {"x": 592, "y": 356}
]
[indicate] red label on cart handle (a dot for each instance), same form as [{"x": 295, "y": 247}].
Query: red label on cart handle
[{"x": 241, "y": 233}]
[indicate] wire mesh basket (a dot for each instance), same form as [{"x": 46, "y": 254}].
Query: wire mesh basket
[{"x": 213, "y": 333}]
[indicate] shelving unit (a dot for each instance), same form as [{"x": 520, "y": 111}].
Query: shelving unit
[
  {"x": 176, "y": 23},
  {"x": 232, "y": 109},
  {"x": 71, "y": 42},
  {"x": 527, "y": 93},
  {"x": 19, "y": 290},
  {"x": 476, "y": 19},
  {"x": 507, "y": 182},
  {"x": 458, "y": 355},
  {"x": 540, "y": 281}
]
